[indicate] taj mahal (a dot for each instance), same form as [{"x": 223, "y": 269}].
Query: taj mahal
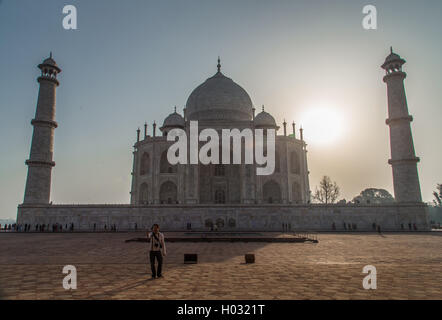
[
  {"x": 218, "y": 103},
  {"x": 230, "y": 196}
]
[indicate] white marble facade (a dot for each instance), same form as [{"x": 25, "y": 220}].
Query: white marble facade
[
  {"x": 219, "y": 103},
  {"x": 232, "y": 197}
]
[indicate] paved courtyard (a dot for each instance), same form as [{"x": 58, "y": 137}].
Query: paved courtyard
[{"x": 408, "y": 267}]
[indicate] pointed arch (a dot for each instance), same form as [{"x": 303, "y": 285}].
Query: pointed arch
[
  {"x": 220, "y": 196},
  {"x": 168, "y": 193}
]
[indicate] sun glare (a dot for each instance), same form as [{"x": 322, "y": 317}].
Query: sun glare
[{"x": 323, "y": 125}]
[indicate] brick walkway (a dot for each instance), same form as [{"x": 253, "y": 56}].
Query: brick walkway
[{"x": 408, "y": 267}]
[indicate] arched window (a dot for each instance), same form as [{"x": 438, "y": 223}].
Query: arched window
[
  {"x": 145, "y": 164},
  {"x": 143, "y": 195},
  {"x": 271, "y": 192},
  {"x": 296, "y": 193},
  {"x": 168, "y": 193},
  {"x": 220, "y": 196},
  {"x": 165, "y": 166},
  {"x": 294, "y": 163}
]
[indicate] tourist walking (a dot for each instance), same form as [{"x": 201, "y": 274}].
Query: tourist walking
[{"x": 157, "y": 251}]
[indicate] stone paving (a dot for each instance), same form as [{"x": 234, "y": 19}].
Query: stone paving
[{"x": 408, "y": 265}]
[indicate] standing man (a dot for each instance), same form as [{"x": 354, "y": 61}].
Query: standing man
[{"x": 157, "y": 250}]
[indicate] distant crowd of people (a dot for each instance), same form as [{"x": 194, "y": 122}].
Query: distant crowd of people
[
  {"x": 410, "y": 227},
  {"x": 112, "y": 227},
  {"x": 56, "y": 227},
  {"x": 376, "y": 227},
  {"x": 8, "y": 227}
]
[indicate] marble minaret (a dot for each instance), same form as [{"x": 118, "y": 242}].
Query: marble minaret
[
  {"x": 403, "y": 159},
  {"x": 40, "y": 163}
]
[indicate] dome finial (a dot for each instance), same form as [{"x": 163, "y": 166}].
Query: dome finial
[
  {"x": 50, "y": 55},
  {"x": 219, "y": 64},
  {"x": 262, "y": 108},
  {"x": 391, "y": 49},
  {"x": 175, "y": 109}
]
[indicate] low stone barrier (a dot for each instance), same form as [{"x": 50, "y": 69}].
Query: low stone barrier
[{"x": 391, "y": 217}]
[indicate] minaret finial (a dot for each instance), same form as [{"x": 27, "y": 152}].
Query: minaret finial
[{"x": 219, "y": 64}]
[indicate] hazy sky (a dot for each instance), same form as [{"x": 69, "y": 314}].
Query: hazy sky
[{"x": 131, "y": 61}]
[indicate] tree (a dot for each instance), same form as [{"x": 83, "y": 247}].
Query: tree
[
  {"x": 438, "y": 196},
  {"x": 373, "y": 195},
  {"x": 327, "y": 192}
]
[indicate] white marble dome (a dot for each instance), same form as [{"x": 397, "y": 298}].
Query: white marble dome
[
  {"x": 264, "y": 120},
  {"x": 219, "y": 98},
  {"x": 174, "y": 120}
]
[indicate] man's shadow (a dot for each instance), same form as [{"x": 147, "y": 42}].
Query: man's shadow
[{"x": 107, "y": 293}]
